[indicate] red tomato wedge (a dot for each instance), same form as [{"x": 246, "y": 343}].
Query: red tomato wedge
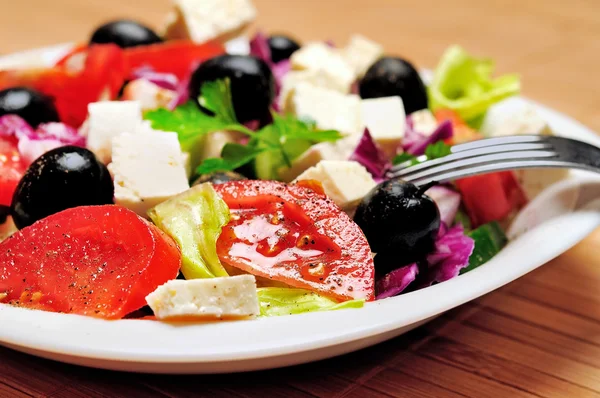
[
  {"x": 101, "y": 76},
  {"x": 100, "y": 261},
  {"x": 11, "y": 170},
  {"x": 294, "y": 234},
  {"x": 491, "y": 197},
  {"x": 175, "y": 56}
]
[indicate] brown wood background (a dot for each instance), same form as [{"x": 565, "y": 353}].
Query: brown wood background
[{"x": 537, "y": 337}]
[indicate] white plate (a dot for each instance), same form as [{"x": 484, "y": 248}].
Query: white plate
[{"x": 562, "y": 216}]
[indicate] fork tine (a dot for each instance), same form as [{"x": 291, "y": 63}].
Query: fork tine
[
  {"x": 404, "y": 171},
  {"x": 461, "y": 163},
  {"x": 506, "y": 140},
  {"x": 512, "y": 164}
]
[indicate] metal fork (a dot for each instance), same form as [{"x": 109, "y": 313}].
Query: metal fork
[{"x": 499, "y": 154}]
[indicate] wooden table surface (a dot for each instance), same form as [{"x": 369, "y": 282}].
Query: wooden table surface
[{"x": 539, "y": 336}]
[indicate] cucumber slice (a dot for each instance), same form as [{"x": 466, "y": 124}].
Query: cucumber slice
[{"x": 489, "y": 240}]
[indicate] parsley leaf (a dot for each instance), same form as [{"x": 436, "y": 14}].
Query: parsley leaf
[
  {"x": 433, "y": 151},
  {"x": 437, "y": 150},
  {"x": 190, "y": 123},
  {"x": 404, "y": 157},
  {"x": 274, "y": 146}
]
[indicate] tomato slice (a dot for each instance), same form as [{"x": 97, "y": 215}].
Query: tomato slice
[
  {"x": 11, "y": 170},
  {"x": 294, "y": 234},
  {"x": 100, "y": 261},
  {"x": 491, "y": 197},
  {"x": 175, "y": 56},
  {"x": 461, "y": 131}
]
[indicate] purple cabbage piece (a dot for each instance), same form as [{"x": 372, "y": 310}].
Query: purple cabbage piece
[
  {"x": 396, "y": 281},
  {"x": 451, "y": 254},
  {"x": 447, "y": 201},
  {"x": 34, "y": 143},
  {"x": 415, "y": 142},
  {"x": 61, "y": 132},
  {"x": 371, "y": 157},
  {"x": 259, "y": 47},
  {"x": 280, "y": 69},
  {"x": 15, "y": 126},
  {"x": 182, "y": 94},
  {"x": 163, "y": 80}
]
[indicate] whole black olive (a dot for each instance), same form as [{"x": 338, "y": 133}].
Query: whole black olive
[
  {"x": 282, "y": 47},
  {"x": 125, "y": 33},
  {"x": 392, "y": 76},
  {"x": 4, "y": 213},
  {"x": 252, "y": 84},
  {"x": 219, "y": 178},
  {"x": 396, "y": 217},
  {"x": 33, "y": 106},
  {"x": 62, "y": 178}
]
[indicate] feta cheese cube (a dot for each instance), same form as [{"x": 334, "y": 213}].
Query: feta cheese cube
[
  {"x": 328, "y": 108},
  {"x": 147, "y": 168},
  {"x": 338, "y": 150},
  {"x": 424, "y": 122},
  {"x": 361, "y": 53},
  {"x": 239, "y": 46},
  {"x": 214, "y": 143},
  {"x": 345, "y": 182},
  {"x": 109, "y": 119},
  {"x": 320, "y": 56},
  {"x": 204, "y": 20},
  {"x": 316, "y": 77},
  {"x": 150, "y": 95},
  {"x": 386, "y": 121},
  {"x": 215, "y": 298},
  {"x": 525, "y": 120}
]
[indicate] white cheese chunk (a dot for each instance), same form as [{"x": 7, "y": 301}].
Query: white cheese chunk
[
  {"x": 328, "y": 108},
  {"x": 386, "y": 121},
  {"x": 424, "y": 122},
  {"x": 214, "y": 143},
  {"x": 215, "y": 298},
  {"x": 338, "y": 150},
  {"x": 345, "y": 182},
  {"x": 320, "y": 56},
  {"x": 525, "y": 120},
  {"x": 316, "y": 77},
  {"x": 204, "y": 20},
  {"x": 361, "y": 53},
  {"x": 239, "y": 46},
  {"x": 150, "y": 95},
  {"x": 109, "y": 119},
  {"x": 147, "y": 168},
  {"x": 7, "y": 229}
]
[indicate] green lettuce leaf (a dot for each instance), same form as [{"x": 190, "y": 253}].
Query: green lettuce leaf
[
  {"x": 276, "y": 301},
  {"x": 464, "y": 84},
  {"x": 194, "y": 219},
  {"x": 437, "y": 150}
]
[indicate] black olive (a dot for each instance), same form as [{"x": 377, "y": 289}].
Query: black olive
[
  {"x": 282, "y": 47},
  {"x": 62, "y": 178},
  {"x": 392, "y": 76},
  {"x": 397, "y": 218},
  {"x": 252, "y": 84},
  {"x": 4, "y": 213},
  {"x": 219, "y": 177},
  {"x": 125, "y": 33},
  {"x": 33, "y": 106}
]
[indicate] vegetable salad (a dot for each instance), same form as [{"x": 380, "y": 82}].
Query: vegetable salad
[{"x": 194, "y": 174}]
